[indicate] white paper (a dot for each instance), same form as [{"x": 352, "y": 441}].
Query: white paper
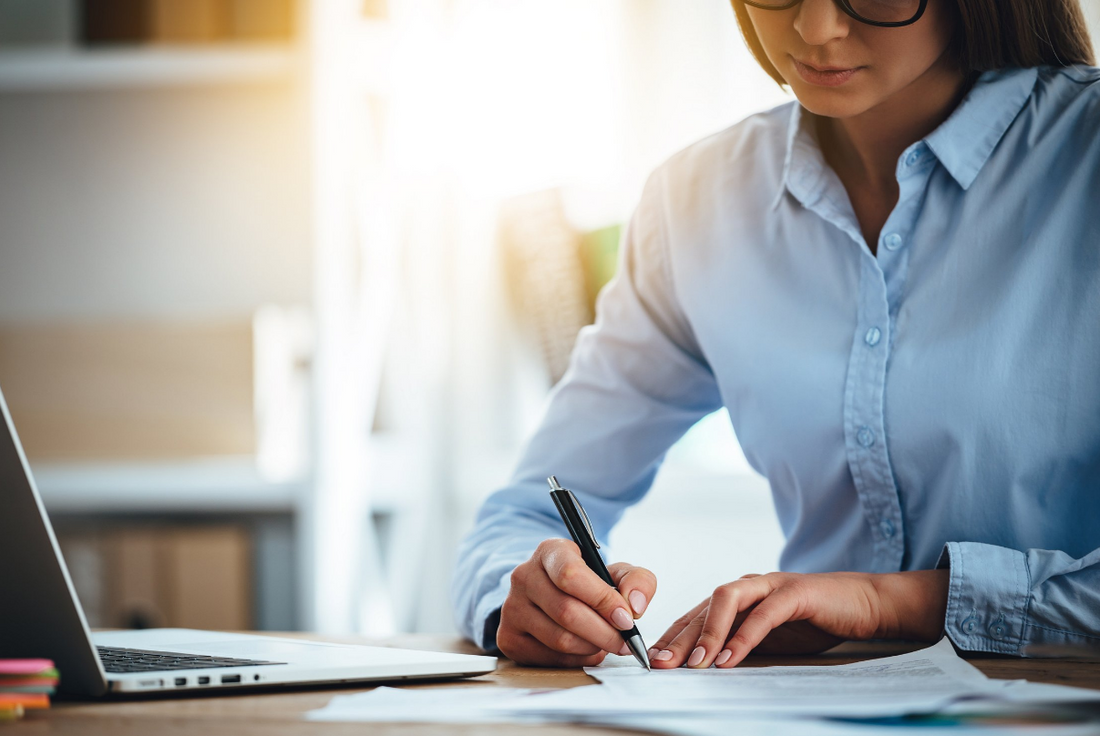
[{"x": 463, "y": 704}]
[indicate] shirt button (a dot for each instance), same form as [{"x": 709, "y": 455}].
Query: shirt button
[
  {"x": 887, "y": 528},
  {"x": 969, "y": 624},
  {"x": 912, "y": 158},
  {"x": 892, "y": 241},
  {"x": 998, "y": 629},
  {"x": 873, "y": 336},
  {"x": 865, "y": 437}
]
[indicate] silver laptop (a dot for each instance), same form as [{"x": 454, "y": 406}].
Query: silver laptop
[{"x": 40, "y": 616}]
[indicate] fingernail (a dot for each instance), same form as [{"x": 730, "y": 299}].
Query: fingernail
[
  {"x": 664, "y": 655},
  {"x": 651, "y": 652},
  {"x": 697, "y": 656},
  {"x": 638, "y": 602},
  {"x": 723, "y": 656},
  {"x": 625, "y": 650},
  {"x": 622, "y": 619}
]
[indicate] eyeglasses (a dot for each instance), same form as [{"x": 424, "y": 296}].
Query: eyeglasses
[{"x": 884, "y": 13}]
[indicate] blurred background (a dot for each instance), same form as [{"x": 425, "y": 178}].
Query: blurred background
[{"x": 285, "y": 284}]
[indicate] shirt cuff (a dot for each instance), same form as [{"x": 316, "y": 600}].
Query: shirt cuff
[
  {"x": 988, "y": 596},
  {"x": 487, "y": 618}
]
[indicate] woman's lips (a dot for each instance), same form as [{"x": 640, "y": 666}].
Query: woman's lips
[{"x": 824, "y": 78}]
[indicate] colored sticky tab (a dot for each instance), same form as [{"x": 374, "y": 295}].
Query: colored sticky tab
[
  {"x": 47, "y": 689},
  {"x": 8, "y": 684},
  {"x": 24, "y": 666},
  {"x": 27, "y": 700}
]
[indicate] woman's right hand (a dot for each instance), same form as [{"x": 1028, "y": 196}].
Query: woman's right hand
[{"x": 559, "y": 613}]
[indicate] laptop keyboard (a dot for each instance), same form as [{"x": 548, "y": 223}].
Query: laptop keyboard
[{"x": 138, "y": 660}]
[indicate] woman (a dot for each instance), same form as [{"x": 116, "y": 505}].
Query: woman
[{"x": 894, "y": 287}]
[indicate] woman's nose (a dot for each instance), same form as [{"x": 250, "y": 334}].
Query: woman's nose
[{"x": 821, "y": 21}]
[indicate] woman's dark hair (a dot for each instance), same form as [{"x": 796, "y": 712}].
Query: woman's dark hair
[{"x": 991, "y": 34}]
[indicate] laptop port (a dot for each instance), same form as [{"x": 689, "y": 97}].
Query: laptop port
[
  {"x": 226, "y": 679},
  {"x": 181, "y": 681},
  {"x": 204, "y": 680}
]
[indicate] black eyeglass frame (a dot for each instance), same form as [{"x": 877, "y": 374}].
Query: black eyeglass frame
[{"x": 846, "y": 6}]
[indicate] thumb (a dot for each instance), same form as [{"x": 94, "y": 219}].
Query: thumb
[{"x": 636, "y": 584}]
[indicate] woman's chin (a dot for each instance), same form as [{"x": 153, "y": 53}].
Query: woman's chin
[{"x": 832, "y": 104}]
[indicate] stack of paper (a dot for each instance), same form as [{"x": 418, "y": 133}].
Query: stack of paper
[
  {"x": 916, "y": 682},
  {"x": 25, "y": 684},
  {"x": 874, "y": 697}
]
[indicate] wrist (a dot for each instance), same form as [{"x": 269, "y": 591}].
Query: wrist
[{"x": 913, "y": 604}]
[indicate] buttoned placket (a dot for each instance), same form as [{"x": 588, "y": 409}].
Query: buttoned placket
[
  {"x": 881, "y": 292},
  {"x": 882, "y": 280}
]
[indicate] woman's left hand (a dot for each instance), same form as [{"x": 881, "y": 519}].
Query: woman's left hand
[{"x": 792, "y": 613}]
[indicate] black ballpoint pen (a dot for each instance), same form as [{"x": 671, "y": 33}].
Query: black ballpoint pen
[{"x": 576, "y": 521}]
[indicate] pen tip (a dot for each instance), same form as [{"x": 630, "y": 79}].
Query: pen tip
[{"x": 637, "y": 647}]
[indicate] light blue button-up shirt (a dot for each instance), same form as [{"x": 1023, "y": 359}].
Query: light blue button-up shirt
[{"x": 935, "y": 404}]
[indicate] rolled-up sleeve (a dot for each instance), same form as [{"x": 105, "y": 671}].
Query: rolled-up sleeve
[
  {"x": 1033, "y": 603},
  {"x": 636, "y": 382}
]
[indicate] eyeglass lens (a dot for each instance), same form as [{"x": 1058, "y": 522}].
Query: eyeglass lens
[
  {"x": 876, "y": 11},
  {"x": 886, "y": 11}
]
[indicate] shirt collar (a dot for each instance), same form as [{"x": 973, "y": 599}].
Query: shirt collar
[
  {"x": 962, "y": 143},
  {"x": 803, "y": 160}
]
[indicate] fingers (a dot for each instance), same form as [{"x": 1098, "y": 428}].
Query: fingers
[
  {"x": 697, "y": 637},
  {"x": 527, "y": 634},
  {"x": 660, "y": 656},
  {"x": 568, "y": 572},
  {"x": 573, "y": 614},
  {"x": 549, "y": 632},
  {"x": 526, "y": 649},
  {"x": 682, "y": 646},
  {"x": 636, "y": 584},
  {"x": 772, "y": 612},
  {"x": 556, "y": 601},
  {"x": 725, "y": 603}
]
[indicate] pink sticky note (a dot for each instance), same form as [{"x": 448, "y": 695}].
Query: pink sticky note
[{"x": 24, "y": 666}]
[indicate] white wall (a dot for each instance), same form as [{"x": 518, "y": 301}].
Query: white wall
[{"x": 1092, "y": 17}]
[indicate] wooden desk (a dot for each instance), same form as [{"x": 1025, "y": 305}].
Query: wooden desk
[{"x": 279, "y": 713}]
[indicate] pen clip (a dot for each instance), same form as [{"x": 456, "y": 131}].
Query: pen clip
[
  {"x": 584, "y": 518},
  {"x": 555, "y": 486}
]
